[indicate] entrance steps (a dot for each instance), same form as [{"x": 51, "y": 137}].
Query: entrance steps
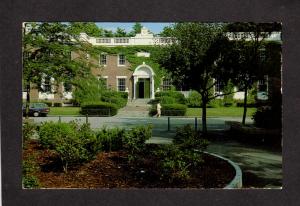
[{"x": 135, "y": 108}]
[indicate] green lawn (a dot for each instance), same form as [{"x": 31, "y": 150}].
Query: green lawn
[
  {"x": 221, "y": 112},
  {"x": 64, "y": 111}
]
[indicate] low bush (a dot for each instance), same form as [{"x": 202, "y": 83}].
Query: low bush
[
  {"x": 173, "y": 110},
  {"x": 178, "y": 96},
  {"x": 187, "y": 137},
  {"x": 175, "y": 163},
  {"x": 166, "y": 100},
  {"x": 215, "y": 103},
  {"x": 134, "y": 141},
  {"x": 267, "y": 117},
  {"x": 194, "y": 100},
  {"x": 50, "y": 133},
  {"x": 110, "y": 139},
  {"x": 57, "y": 104},
  {"x": 118, "y": 98},
  {"x": 71, "y": 142},
  {"x": 99, "y": 109},
  {"x": 29, "y": 167},
  {"x": 28, "y": 130}
]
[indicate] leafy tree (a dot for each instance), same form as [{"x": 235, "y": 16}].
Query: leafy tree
[
  {"x": 120, "y": 32},
  {"x": 136, "y": 29},
  {"x": 167, "y": 31},
  {"x": 245, "y": 56},
  {"x": 191, "y": 59},
  {"x": 108, "y": 33},
  {"x": 88, "y": 89},
  {"x": 47, "y": 49},
  {"x": 90, "y": 28}
]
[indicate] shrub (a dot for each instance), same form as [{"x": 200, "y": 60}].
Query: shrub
[
  {"x": 110, "y": 139},
  {"x": 166, "y": 100},
  {"x": 134, "y": 141},
  {"x": 72, "y": 143},
  {"x": 99, "y": 108},
  {"x": 50, "y": 133},
  {"x": 187, "y": 138},
  {"x": 178, "y": 96},
  {"x": 30, "y": 182},
  {"x": 194, "y": 100},
  {"x": 173, "y": 110},
  {"x": 152, "y": 111},
  {"x": 57, "y": 104},
  {"x": 28, "y": 130},
  {"x": 29, "y": 167},
  {"x": 114, "y": 97},
  {"x": 215, "y": 103},
  {"x": 175, "y": 163},
  {"x": 267, "y": 117}
]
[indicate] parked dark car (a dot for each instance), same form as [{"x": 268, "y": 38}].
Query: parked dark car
[{"x": 37, "y": 109}]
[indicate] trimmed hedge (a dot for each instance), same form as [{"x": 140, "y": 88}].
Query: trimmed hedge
[
  {"x": 99, "y": 108},
  {"x": 118, "y": 98},
  {"x": 166, "y": 100},
  {"x": 194, "y": 100},
  {"x": 173, "y": 109},
  {"x": 178, "y": 96}
]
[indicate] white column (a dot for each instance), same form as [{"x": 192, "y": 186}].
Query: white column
[
  {"x": 135, "y": 80},
  {"x": 152, "y": 88}
]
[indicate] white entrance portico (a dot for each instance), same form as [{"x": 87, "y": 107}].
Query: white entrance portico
[{"x": 143, "y": 82}]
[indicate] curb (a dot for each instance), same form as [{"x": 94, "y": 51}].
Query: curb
[{"x": 237, "y": 181}]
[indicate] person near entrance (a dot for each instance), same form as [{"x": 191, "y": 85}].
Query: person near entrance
[{"x": 158, "y": 108}]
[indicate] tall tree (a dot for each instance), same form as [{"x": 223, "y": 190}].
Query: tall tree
[
  {"x": 90, "y": 28},
  {"x": 136, "y": 29},
  {"x": 108, "y": 33},
  {"x": 246, "y": 54},
  {"x": 191, "y": 59},
  {"x": 120, "y": 32},
  {"x": 47, "y": 49}
]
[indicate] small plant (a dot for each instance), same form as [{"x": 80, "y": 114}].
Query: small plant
[
  {"x": 29, "y": 167},
  {"x": 176, "y": 163},
  {"x": 28, "y": 130},
  {"x": 194, "y": 100},
  {"x": 71, "y": 142},
  {"x": 187, "y": 138},
  {"x": 134, "y": 141},
  {"x": 110, "y": 139}
]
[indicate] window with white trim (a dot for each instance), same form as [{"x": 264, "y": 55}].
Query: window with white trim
[
  {"x": 47, "y": 84},
  {"x": 219, "y": 86},
  {"x": 67, "y": 87},
  {"x": 121, "y": 59},
  {"x": 103, "y": 58},
  {"x": 121, "y": 84},
  {"x": 262, "y": 84},
  {"x": 166, "y": 84}
]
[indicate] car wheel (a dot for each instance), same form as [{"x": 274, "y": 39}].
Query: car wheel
[{"x": 35, "y": 114}]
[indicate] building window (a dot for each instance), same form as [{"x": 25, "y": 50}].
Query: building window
[
  {"x": 262, "y": 85},
  {"x": 103, "y": 40},
  {"x": 121, "y": 84},
  {"x": 121, "y": 59},
  {"x": 219, "y": 87},
  {"x": 47, "y": 84},
  {"x": 67, "y": 87},
  {"x": 166, "y": 84},
  {"x": 262, "y": 54},
  {"x": 121, "y": 40},
  {"x": 103, "y": 59}
]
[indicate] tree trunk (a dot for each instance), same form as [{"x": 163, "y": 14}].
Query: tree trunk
[
  {"x": 27, "y": 100},
  {"x": 245, "y": 106},
  {"x": 204, "y": 126}
]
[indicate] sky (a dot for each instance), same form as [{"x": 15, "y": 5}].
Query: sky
[{"x": 156, "y": 28}]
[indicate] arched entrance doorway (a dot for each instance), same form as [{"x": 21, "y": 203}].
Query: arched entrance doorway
[{"x": 143, "y": 82}]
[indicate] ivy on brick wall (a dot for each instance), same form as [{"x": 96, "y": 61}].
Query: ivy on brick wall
[{"x": 130, "y": 53}]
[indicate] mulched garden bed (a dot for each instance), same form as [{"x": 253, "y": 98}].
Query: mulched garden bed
[{"x": 111, "y": 170}]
